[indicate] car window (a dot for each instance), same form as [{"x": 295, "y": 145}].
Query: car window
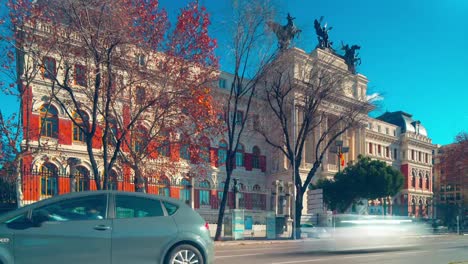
[
  {"x": 136, "y": 207},
  {"x": 170, "y": 208},
  {"x": 21, "y": 218},
  {"x": 84, "y": 208}
]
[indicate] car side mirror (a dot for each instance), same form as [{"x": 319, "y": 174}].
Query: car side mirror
[{"x": 39, "y": 217}]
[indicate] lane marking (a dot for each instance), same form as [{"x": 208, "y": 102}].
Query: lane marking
[{"x": 250, "y": 249}]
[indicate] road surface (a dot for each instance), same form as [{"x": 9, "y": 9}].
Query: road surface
[{"x": 430, "y": 250}]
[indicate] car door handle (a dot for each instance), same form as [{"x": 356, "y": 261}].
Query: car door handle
[{"x": 102, "y": 227}]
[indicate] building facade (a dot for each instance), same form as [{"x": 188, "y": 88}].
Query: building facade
[{"x": 264, "y": 175}]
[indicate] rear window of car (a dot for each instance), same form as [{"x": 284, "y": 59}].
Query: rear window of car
[
  {"x": 170, "y": 208},
  {"x": 137, "y": 207}
]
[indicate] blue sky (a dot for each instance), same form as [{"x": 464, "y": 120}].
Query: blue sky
[{"x": 414, "y": 52}]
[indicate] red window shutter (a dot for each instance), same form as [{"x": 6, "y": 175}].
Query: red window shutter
[
  {"x": 175, "y": 152},
  {"x": 175, "y": 192},
  {"x": 34, "y": 128},
  {"x": 214, "y": 157},
  {"x": 248, "y": 161},
  {"x": 263, "y": 163},
  {"x": 65, "y": 132},
  {"x": 152, "y": 149},
  {"x": 197, "y": 198},
  {"x": 97, "y": 139}
]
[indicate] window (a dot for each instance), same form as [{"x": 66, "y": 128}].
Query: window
[
  {"x": 395, "y": 151},
  {"x": 426, "y": 157},
  {"x": 141, "y": 59},
  {"x": 413, "y": 180},
  {"x": 394, "y": 132},
  {"x": 137, "y": 207},
  {"x": 185, "y": 193},
  {"x": 240, "y": 155},
  {"x": 239, "y": 117},
  {"x": 139, "y": 139},
  {"x": 427, "y": 181},
  {"x": 458, "y": 196},
  {"x": 170, "y": 208},
  {"x": 164, "y": 187},
  {"x": 387, "y": 130},
  {"x": 165, "y": 148},
  {"x": 256, "y": 157},
  {"x": 220, "y": 191},
  {"x": 419, "y": 156},
  {"x": 379, "y": 150},
  {"x": 78, "y": 134},
  {"x": 204, "y": 193},
  {"x": 185, "y": 147},
  {"x": 81, "y": 179},
  {"x": 412, "y": 154},
  {"x": 387, "y": 152},
  {"x": 49, "y": 69},
  {"x": 140, "y": 95},
  {"x": 92, "y": 207},
  {"x": 370, "y": 148},
  {"x": 49, "y": 175},
  {"x": 80, "y": 75},
  {"x": 222, "y": 152},
  {"x": 205, "y": 149},
  {"x": 420, "y": 180},
  {"x": 49, "y": 121},
  {"x": 378, "y": 128},
  {"x": 222, "y": 83}
]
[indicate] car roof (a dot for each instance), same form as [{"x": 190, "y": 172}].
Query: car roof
[{"x": 87, "y": 193}]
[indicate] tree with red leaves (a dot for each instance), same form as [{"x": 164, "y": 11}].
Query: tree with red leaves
[{"x": 113, "y": 66}]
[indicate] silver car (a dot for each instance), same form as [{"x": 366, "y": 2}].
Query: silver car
[{"x": 105, "y": 227}]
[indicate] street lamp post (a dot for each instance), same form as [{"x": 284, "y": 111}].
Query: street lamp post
[{"x": 235, "y": 189}]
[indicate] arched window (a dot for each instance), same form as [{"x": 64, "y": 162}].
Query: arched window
[
  {"x": 413, "y": 179},
  {"x": 240, "y": 155},
  {"x": 164, "y": 187},
  {"x": 139, "y": 139},
  {"x": 256, "y": 157},
  {"x": 185, "y": 147},
  {"x": 82, "y": 179},
  {"x": 49, "y": 174},
  {"x": 112, "y": 134},
  {"x": 220, "y": 191},
  {"x": 49, "y": 121},
  {"x": 256, "y": 188},
  {"x": 185, "y": 192},
  {"x": 204, "y": 193},
  {"x": 222, "y": 152},
  {"x": 78, "y": 134},
  {"x": 205, "y": 149},
  {"x": 413, "y": 207},
  {"x": 427, "y": 181},
  {"x": 164, "y": 148},
  {"x": 420, "y": 180}
]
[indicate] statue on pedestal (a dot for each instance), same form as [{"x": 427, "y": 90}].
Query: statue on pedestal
[
  {"x": 322, "y": 34},
  {"x": 351, "y": 57},
  {"x": 284, "y": 33}
]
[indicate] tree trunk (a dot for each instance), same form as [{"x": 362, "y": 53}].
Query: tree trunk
[
  {"x": 19, "y": 187},
  {"x": 298, "y": 214},
  {"x": 222, "y": 207}
]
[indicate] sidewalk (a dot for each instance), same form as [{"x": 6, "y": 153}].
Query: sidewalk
[{"x": 259, "y": 241}]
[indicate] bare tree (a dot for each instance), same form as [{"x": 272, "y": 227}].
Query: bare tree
[
  {"x": 102, "y": 52},
  {"x": 251, "y": 52},
  {"x": 306, "y": 98}
]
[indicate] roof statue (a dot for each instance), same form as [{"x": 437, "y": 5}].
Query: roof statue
[
  {"x": 284, "y": 33},
  {"x": 351, "y": 57},
  {"x": 322, "y": 34}
]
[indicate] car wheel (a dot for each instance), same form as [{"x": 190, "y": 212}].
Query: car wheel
[{"x": 186, "y": 254}]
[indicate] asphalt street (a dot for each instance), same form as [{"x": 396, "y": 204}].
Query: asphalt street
[{"x": 428, "y": 250}]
